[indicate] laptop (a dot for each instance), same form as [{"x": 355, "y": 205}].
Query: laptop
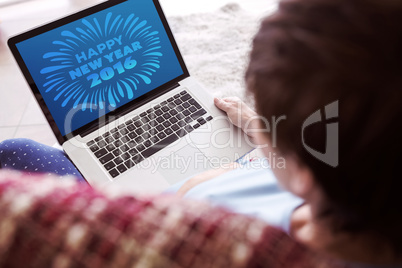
[{"x": 118, "y": 96}]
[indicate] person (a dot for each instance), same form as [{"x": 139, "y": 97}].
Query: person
[{"x": 338, "y": 62}]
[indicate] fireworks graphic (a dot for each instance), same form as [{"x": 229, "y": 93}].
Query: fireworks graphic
[{"x": 98, "y": 89}]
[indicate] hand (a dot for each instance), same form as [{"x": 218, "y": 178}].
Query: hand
[
  {"x": 239, "y": 114},
  {"x": 203, "y": 177}
]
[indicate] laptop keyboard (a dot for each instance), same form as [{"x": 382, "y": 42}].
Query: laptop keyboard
[{"x": 144, "y": 135}]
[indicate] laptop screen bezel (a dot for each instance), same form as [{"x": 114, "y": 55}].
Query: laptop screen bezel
[{"x": 105, "y": 119}]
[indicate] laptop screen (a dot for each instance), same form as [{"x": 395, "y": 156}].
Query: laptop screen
[{"x": 94, "y": 65}]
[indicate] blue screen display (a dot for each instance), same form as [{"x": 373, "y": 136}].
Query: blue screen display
[{"x": 96, "y": 64}]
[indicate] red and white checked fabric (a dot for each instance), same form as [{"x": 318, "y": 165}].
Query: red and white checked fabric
[{"x": 48, "y": 222}]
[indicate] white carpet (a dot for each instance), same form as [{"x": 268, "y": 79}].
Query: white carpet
[{"x": 215, "y": 47}]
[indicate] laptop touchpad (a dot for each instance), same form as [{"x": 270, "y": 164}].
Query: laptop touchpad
[{"x": 184, "y": 163}]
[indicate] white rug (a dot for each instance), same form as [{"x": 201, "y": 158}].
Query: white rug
[{"x": 215, "y": 47}]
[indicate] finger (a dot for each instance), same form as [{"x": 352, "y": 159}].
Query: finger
[
  {"x": 233, "y": 165},
  {"x": 232, "y": 99},
  {"x": 186, "y": 187},
  {"x": 206, "y": 176},
  {"x": 221, "y": 104},
  {"x": 191, "y": 183}
]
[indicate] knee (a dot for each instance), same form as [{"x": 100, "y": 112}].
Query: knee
[{"x": 12, "y": 145}]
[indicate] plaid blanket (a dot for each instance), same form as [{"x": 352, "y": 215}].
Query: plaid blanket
[{"x": 48, "y": 222}]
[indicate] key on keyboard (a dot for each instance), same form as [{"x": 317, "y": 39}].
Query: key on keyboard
[{"x": 147, "y": 133}]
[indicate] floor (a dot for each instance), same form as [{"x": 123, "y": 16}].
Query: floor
[{"x": 20, "y": 115}]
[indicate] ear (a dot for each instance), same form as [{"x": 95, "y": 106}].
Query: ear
[{"x": 301, "y": 180}]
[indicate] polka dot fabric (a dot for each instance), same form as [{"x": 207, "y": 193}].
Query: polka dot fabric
[{"x": 33, "y": 157}]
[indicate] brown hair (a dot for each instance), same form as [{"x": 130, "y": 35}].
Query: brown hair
[{"x": 311, "y": 53}]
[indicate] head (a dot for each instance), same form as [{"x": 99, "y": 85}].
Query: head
[{"x": 311, "y": 53}]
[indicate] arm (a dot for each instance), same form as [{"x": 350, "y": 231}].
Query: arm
[{"x": 241, "y": 116}]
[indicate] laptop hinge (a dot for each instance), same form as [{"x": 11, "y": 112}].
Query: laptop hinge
[{"x": 128, "y": 110}]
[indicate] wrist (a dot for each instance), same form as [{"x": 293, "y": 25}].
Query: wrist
[{"x": 251, "y": 125}]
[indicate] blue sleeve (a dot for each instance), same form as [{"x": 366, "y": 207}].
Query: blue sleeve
[{"x": 252, "y": 190}]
